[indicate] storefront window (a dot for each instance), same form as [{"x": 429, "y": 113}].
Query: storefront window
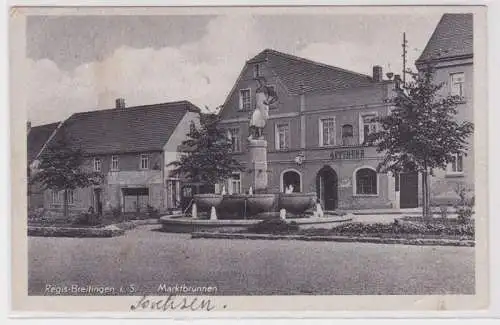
[{"x": 366, "y": 182}]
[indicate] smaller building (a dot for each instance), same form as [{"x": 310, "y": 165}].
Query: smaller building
[
  {"x": 37, "y": 138},
  {"x": 132, "y": 148},
  {"x": 450, "y": 52}
]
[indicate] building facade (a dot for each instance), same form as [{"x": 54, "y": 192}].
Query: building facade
[
  {"x": 36, "y": 140},
  {"x": 132, "y": 148},
  {"x": 450, "y": 52},
  {"x": 316, "y": 132}
]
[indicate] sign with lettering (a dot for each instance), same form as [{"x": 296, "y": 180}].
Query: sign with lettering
[{"x": 348, "y": 154}]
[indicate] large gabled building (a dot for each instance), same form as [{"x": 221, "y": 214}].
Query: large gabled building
[{"x": 316, "y": 132}]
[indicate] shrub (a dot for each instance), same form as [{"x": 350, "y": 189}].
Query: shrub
[
  {"x": 117, "y": 213},
  {"x": 405, "y": 228},
  {"x": 443, "y": 210},
  {"x": 89, "y": 218},
  {"x": 274, "y": 226}
]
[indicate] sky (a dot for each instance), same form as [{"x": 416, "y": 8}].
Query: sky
[{"x": 83, "y": 63}]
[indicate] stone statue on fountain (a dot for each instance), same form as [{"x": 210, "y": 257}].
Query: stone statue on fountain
[{"x": 264, "y": 96}]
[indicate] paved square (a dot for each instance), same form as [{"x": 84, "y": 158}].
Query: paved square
[{"x": 147, "y": 258}]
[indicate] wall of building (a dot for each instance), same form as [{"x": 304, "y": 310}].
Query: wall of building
[
  {"x": 302, "y": 113},
  {"x": 444, "y": 185},
  {"x": 128, "y": 176}
]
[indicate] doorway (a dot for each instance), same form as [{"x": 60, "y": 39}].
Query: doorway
[
  {"x": 98, "y": 201},
  {"x": 135, "y": 199},
  {"x": 408, "y": 185},
  {"x": 327, "y": 188}
]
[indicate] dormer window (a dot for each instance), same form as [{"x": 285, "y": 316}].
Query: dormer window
[
  {"x": 256, "y": 70},
  {"x": 245, "y": 100}
]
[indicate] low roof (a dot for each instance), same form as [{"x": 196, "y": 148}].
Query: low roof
[
  {"x": 130, "y": 129},
  {"x": 37, "y": 137},
  {"x": 452, "y": 38}
]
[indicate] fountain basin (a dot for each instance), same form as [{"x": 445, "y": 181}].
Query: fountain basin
[
  {"x": 258, "y": 203},
  {"x": 232, "y": 205},
  {"x": 205, "y": 202},
  {"x": 296, "y": 202}
]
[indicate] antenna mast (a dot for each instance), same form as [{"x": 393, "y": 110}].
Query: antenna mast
[{"x": 405, "y": 45}]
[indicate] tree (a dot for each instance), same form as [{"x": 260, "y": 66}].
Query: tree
[
  {"x": 421, "y": 131},
  {"x": 60, "y": 169},
  {"x": 207, "y": 155}
]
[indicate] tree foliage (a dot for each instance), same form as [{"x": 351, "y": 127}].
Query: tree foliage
[{"x": 206, "y": 156}]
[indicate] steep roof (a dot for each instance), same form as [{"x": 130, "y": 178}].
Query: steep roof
[
  {"x": 130, "y": 129},
  {"x": 452, "y": 38},
  {"x": 296, "y": 72},
  {"x": 37, "y": 137}
]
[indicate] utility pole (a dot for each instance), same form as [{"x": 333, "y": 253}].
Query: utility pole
[{"x": 405, "y": 45}]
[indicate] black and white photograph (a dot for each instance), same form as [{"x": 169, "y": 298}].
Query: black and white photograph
[{"x": 179, "y": 158}]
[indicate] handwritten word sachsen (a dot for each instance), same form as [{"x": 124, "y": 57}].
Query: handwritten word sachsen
[{"x": 174, "y": 303}]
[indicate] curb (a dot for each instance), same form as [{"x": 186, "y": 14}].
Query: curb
[
  {"x": 104, "y": 232},
  {"x": 373, "y": 240},
  {"x": 112, "y": 230}
]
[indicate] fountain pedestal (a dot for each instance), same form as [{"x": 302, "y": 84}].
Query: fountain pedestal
[{"x": 258, "y": 157}]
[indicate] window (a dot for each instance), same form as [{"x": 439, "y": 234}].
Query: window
[
  {"x": 457, "y": 84},
  {"x": 347, "y": 135},
  {"x": 291, "y": 178},
  {"x": 272, "y": 91},
  {"x": 457, "y": 165},
  {"x": 234, "y": 135},
  {"x": 282, "y": 136},
  {"x": 327, "y": 132},
  {"x": 366, "y": 182},
  {"x": 56, "y": 199},
  {"x": 114, "y": 162},
  {"x": 245, "y": 100},
  {"x": 144, "y": 161},
  {"x": 256, "y": 70},
  {"x": 235, "y": 184},
  {"x": 369, "y": 126},
  {"x": 97, "y": 164}
]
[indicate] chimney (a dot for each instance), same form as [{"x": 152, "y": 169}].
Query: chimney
[
  {"x": 120, "y": 103},
  {"x": 377, "y": 73}
]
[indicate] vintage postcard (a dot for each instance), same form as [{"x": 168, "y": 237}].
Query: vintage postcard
[{"x": 185, "y": 160}]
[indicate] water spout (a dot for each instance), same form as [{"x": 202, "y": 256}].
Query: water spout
[
  {"x": 319, "y": 211},
  {"x": 213, "y": 214},
  {"x": 194, "y": 211}
]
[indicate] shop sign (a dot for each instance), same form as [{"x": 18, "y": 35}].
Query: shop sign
[{"x": 348, "y": 154}]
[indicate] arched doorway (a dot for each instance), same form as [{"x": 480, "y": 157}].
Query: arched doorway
[
  {"x": 327, "y": 188},
  {"x": 291, "y": 177}
]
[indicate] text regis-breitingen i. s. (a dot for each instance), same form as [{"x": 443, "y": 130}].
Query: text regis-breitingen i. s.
[{"x": 76, "y": 289}]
